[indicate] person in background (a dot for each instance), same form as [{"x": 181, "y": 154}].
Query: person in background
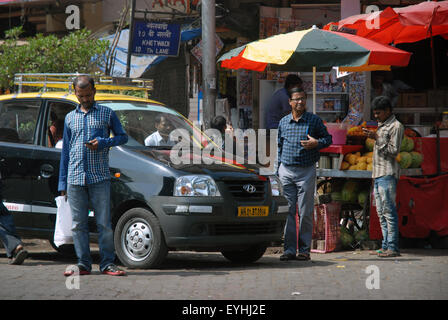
[
  {"x": 8, "y": 235},
  {"x": 398, "y": 86},
  {"x": 278, "y": 105},
  {"x": 386, "y": 172},
  {"x": 300, "y": 137},
  {"x": 84, "y": 174},
  {"x": 382, "y": 88},
  {"x": 162, "y": 136},
  {"x": 56, "y": 130}
]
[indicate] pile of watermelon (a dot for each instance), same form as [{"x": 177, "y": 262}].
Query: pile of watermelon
[
  {"x": 351, "y": 191},
  {"x": 408, "y": 157}
]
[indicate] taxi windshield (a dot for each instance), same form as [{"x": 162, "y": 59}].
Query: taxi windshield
[{"x": 151, "y": 125}]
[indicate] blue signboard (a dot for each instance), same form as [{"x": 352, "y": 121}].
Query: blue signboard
[{"x": 157, "y": 38}]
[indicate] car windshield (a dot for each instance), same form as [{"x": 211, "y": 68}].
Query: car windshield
[{"x": 150, "y": 125}]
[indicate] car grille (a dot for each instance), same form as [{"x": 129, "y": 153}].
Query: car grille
[
  {"x": 246, "y": 228},
  {"x": 235, "y": 187}
]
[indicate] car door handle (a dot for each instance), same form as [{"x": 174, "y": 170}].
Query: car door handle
[{"x": 46, "y": 171}]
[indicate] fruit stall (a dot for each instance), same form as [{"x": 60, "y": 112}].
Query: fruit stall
[{"x": 345, "y": 215}]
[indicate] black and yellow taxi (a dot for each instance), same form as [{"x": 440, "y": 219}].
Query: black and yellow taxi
[{"x": 157, "y": 204}]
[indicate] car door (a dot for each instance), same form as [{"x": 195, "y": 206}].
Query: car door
[
  {"x": 47, "y": 155},
  {"x": 18, "y": 123}
]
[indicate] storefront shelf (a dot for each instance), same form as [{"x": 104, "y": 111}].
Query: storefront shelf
[{"x": 361, "y": 174}]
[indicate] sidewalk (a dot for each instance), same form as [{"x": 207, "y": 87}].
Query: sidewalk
[{"x": 347, "y": 275}]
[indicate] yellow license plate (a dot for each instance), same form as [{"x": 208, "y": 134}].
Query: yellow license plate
[{"x": 260, "y": 211}]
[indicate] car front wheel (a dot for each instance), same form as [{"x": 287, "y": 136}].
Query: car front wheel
[{"x": 139, "y": 241}]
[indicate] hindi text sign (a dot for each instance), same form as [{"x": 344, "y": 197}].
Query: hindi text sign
[{"x": 156, "y": 38}]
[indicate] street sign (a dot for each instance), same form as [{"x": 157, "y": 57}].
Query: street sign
[{"x": 156, "y": 38}]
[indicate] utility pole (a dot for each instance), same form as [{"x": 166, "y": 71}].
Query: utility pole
[
  {"x": 208, "y": 61},
  {"x": 131, "y": 31}
]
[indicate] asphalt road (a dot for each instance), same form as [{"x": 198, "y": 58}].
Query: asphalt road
[{"x": 346, "y": 275}]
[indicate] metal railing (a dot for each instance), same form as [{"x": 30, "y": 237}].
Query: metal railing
[{"x": 65, "y": 81}]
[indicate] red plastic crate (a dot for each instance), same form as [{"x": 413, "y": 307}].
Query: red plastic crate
[{"x": 326, "y": 226}]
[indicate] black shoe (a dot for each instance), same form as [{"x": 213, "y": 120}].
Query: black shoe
[
  {"x": 19, "y": 256},
  {"x": 287, "y": 257}
]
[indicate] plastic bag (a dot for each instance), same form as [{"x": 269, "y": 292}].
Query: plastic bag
[{"x": 63, "y": 228}]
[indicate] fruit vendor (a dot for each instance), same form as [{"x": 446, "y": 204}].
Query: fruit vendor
[{"x": 386, "y": 172}]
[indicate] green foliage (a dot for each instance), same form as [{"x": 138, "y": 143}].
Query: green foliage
[{"x": 75, "y": 52}]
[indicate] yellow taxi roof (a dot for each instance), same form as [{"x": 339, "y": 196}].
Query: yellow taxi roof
[{"x": 99, "y": 96}]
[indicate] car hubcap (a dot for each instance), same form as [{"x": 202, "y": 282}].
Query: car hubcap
[{"x": 137, "y": 239}]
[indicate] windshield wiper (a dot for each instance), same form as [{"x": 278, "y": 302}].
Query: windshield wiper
[{"x": 160, "y": 147}]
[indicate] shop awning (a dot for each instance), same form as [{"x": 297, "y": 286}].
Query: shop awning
[{"x": 398, "y": 25}]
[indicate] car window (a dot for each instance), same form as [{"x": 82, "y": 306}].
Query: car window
[
  {"x": 150, "y": 125},
  {"x": 18, "y": 121}
]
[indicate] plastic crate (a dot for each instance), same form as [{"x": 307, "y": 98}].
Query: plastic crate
[{"x": 326, "y": 229}]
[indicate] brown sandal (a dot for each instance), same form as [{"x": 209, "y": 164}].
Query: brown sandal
[{"x": 389, "y": 254}]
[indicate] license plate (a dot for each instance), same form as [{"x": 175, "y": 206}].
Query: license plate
[{"x": 260, "y": 211}]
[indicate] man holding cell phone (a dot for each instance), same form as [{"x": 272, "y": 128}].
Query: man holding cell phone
[
  {"x": 84, "y": 175},
  {"x": 300, "y": 137},
  {"x": 386, "y": 172}
]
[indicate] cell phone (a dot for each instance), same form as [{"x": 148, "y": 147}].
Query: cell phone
[{"x": 89, "y": 143}]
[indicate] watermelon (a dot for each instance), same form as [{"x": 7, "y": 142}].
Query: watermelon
[
  {"x": 362, "y": 197},
  {"x": 407, "y": 144},
  {"x": 336, "y": 196},
  {"x": 349, "y": 193},
  {"x": 410, "y": 145},
  {"x": 361, "y": 235},
  {"x": 405, "y": 159},
  {"x": 346, "y": 238},
  {"x": 349, "y": 196},
  {"x": 417, "y": 159}
]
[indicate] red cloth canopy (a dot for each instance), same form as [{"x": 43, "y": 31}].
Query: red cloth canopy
[{"x": 399, "y": 25}]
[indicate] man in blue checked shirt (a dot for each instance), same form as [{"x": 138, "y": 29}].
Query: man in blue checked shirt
[
  {"x": 84, "y": 174},
  {"x": 300, "y": 137}
]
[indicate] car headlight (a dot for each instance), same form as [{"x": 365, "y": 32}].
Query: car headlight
[
  {"x": 196, "y": 186},
  {"x": 276, "y": 186}
]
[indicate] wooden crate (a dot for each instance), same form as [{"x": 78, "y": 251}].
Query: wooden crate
[{"x": 414, "y": 100}]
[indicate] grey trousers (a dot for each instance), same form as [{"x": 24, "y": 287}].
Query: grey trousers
[{"x": 298, "y": 184}]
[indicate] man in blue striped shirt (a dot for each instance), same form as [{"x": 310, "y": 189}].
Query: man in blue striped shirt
[
  {"x": 300, "y": 136},
  {"x": 84, "y": 173}
]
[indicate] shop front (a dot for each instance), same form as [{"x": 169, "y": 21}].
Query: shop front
[{"x": 345, "y": 98}]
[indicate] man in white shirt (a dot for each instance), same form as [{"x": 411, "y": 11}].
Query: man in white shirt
[
  {"x": 162, "y": 136},
  {"x": 386, "y": 172}
]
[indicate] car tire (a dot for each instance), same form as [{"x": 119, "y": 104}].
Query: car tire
[
  {"x": 247, "y": 255},
  {"x": 139, "y": 241}
]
